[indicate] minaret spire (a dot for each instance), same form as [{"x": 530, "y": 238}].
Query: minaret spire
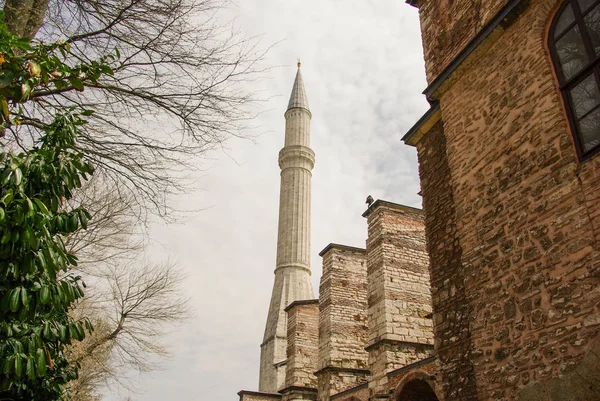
[
  {"x": 298, "y": 97},
  {"x": 292, "y": 271}
]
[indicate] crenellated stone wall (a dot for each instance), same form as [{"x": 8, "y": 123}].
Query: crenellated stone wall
[
  {"x": 399, "y": 300},
  {"x": 343, "y": 361}
]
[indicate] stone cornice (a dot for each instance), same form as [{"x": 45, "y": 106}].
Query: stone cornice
[
  {"x": 425, "y": 123},
  {"x": 384, "y": 341},
  {"x": 341, "y": 247},
  {"x": 298, "y": 388},
  {"x": 259, "y": 393},
  {"x": 391, "y": 205},
  {"x": 342, "y": 369},
  {"x": 301, "y": 303}
]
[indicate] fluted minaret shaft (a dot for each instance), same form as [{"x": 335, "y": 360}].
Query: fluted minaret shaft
[{"x": 292, "y": 272}]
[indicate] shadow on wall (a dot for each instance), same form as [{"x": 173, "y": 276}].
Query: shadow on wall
[{"x": 582, "y": 384}]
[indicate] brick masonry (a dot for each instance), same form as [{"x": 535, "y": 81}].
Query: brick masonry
[
  {"x": 512, "y": 216},
  {"x": 399, "y": 300},
  {"x": 448, "y": 25},
  {"x": 302, "y": 348},
  {"x": 343, "y": 361}
]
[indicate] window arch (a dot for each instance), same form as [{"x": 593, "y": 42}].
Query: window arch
[{"x": 574, "y": 43}]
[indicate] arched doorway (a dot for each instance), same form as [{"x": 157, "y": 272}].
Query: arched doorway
[{"x": 416, "y": 390}]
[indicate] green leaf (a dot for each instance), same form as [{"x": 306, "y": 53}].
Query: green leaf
[
  {"x": 24, "y": 298},
  {"x": 6, "y": 174},
  {"x": 30, "y": 370},
  {"x": 41, "y": 206},
  {"x": 5, "y": 237},
  {"x": 8, "y": 197},
  {"x": 40, "y": 362},
  {"x": 47, "y": 332},
  {"x": 25, "y": 90},
  {"x": 87, "y": 113},
  {"x": 76, "y": 83},
  {"x": 18, "y": 176},
  {"x": 60, "y": 84},
  {"x": 6, "y": 77},
  {"x": 73, "y": 222},
  {"x": 83, "y": 219},
  {"x": 14, "y": 299},
  {"x": 80, "y": 331},
  {"x": 62, "y": 333},
  {"x": 18, "y": 365},
  {"x": 4, "y": 108},
  {"x": 8, "y": 366},
  {"x": 73, "y": 333},
  {"x": 45, "y": 295}
]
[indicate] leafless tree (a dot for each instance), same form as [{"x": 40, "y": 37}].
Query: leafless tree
[
  {"x": 131, "y": 302},
  {"x": 131, "y": 309},
  {"x": 178, "y": 89}
]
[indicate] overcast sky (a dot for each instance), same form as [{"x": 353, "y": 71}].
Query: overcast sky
[{"x": 363, "y": 70}]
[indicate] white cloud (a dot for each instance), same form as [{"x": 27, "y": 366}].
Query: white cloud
[{"x": 363, "y": 69}]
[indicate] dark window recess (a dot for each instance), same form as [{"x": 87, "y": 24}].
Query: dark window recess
[{"x": 575, "y": 47}]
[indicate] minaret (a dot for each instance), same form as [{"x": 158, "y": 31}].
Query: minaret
[{"x": 292, "y": 272}]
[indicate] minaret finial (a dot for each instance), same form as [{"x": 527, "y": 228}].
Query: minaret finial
[{"x": 299, "y": 63}]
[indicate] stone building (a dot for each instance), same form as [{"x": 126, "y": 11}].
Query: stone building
[
  {"x": 510, "y": 178},
  {"x": 492, "y": 291}
]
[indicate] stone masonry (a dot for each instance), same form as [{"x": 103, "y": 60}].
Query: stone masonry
[
  {"x": 343, "y": 331},
  {"x": 399, "y": 300},
  {"x": 302, "y": 350},
  {"x": 512, "y": 212}
]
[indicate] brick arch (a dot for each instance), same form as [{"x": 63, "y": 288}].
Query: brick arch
[{"x": 416, "y": 386}]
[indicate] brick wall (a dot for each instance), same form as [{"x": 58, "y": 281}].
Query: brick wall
[
  {"x": 447, "y": 26},
  {"x": 516, "y": 301},
  {"x": 399, "y": 299},
  {"x": 451, "y": 310},
  {"x": 302, "y": 348},
  {"x": 343, "y": 361}
]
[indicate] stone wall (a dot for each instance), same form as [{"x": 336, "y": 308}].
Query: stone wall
[
  {"x": 399, "y": 300},
  {"x": 343, "y": 361},
  {"x": 451, "y": 310},
  {"x": 303, "y": 345},
  {"x": 516, "y": 302},
  {"x": 358, "y": 393},
  {"x": 447, "y": 26}
]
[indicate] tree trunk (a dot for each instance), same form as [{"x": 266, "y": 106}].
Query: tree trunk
[{"x": 25, "y": 17}]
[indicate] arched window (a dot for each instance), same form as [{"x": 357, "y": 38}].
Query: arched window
[{"x": 574, "y": 42}]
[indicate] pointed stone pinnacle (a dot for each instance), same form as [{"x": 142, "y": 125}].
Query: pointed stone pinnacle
[{"x": 298, "y": 97}]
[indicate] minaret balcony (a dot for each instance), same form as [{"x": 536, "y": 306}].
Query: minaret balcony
[{"x": 297, "y": 156}]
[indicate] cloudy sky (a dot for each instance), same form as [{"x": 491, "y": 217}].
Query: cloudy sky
[{"x": 363, "y": 69}]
